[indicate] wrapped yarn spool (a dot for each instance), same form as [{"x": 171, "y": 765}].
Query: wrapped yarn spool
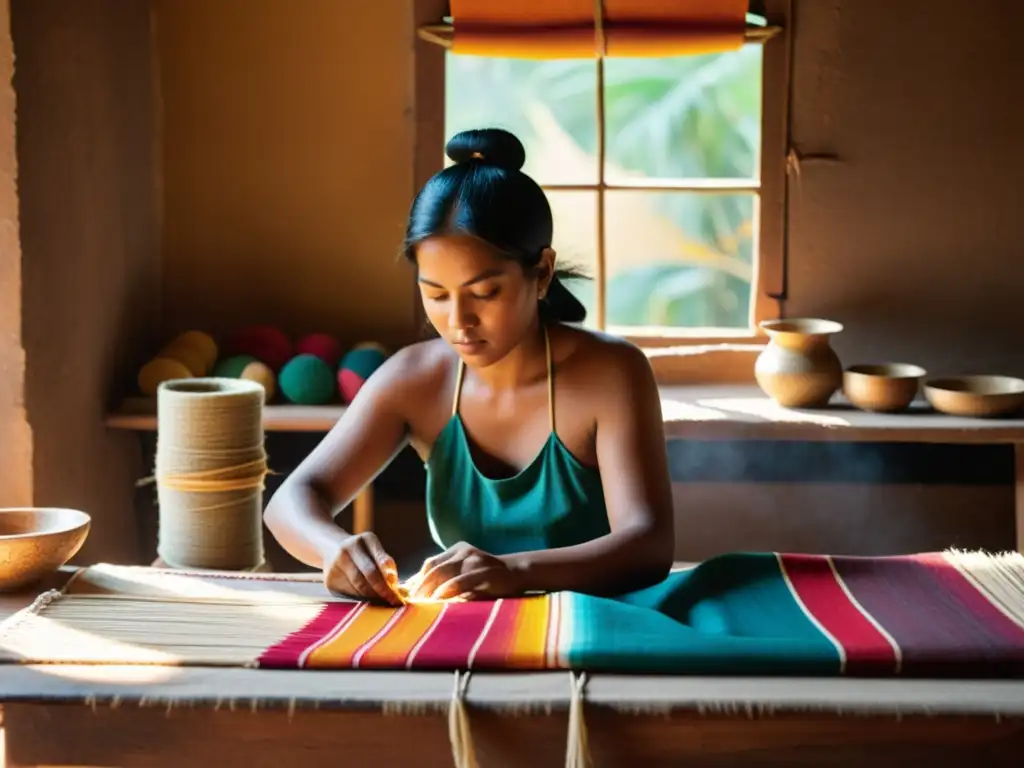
[{"x": 210, "y": 470}]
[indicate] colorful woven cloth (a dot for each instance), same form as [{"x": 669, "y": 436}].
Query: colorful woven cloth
[
  {"x": 928, "y": 615},
  {"x": 938, "y": 615}
]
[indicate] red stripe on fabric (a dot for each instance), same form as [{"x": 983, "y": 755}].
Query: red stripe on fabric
[
  {"x": 287, "y": 653},
  {"x": 453, "y": 637},
  {"x": 867, "y": 650}
]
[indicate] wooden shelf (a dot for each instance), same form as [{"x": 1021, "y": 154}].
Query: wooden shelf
[
  {"x": 139, "y": 414},
  {"x": 715, "y": 412}
]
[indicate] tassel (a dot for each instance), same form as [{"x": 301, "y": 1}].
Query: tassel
[
  {"x": 463, "y": 752},
  {"x": 577, "y": 751}
]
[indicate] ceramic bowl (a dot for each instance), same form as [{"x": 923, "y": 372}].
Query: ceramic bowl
[
  {"x": 977, "y": 396},
  {"x": 36, "y": 541},
  {"x": 882, "y": 387}
]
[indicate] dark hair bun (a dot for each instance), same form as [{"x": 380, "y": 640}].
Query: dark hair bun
[{"x": 491, "y": 146}]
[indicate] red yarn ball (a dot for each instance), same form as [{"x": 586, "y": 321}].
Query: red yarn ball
[
  {"x": 321, "y": 345},
  {"x": 271, "y": 346}
]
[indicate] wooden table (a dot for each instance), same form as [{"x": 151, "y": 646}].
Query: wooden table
[
  {"x": 718, "y": 412},
  {"x": 165, "y": 717}
]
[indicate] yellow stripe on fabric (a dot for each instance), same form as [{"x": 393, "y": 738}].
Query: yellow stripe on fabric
[
  {"x": 529, "y": 643},
  {"x": 394, "y": 648},
  {"x": 339, "y": 651}
]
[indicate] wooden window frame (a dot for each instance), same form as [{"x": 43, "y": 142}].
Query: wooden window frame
[{"x": 694, "y": 346}]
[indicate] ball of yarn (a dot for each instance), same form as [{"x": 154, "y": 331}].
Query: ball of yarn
[
  {"x": 356, "y": 367},
  {"x": 157, "y": 371},
  {"x": 232, "y": 367},
  {"x": 271, "y": 346},
  {"x": 261, "y": 374},
  {"x": 195, "y": 349},
  {"x": 307, "y": 380},
  {"x": 322, "y": 345},
  {"x": 202, "y": 343}
]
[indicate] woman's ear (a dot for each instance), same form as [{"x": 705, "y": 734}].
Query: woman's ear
[{"x": 545, "y": 271}]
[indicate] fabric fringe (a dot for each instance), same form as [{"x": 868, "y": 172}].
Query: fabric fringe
[
  {"x": 1000, "y": 577},
  {"x": 577, "y": 751},
  {"x": 463, "y": 750}
]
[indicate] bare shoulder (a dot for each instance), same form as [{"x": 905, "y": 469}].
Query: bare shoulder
[
  {"x": 604, "y": 361},
  {"x": 412, "y": 373}
]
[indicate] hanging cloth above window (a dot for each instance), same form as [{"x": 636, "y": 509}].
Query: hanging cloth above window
[{"x": 574, "y": 29}]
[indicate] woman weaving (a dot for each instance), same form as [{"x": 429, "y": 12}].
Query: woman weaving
[{"x": 543, "y": 442}]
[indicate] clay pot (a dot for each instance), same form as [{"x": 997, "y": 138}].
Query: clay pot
[{"x": 798, "y": 368}]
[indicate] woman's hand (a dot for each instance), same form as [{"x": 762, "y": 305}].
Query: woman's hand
[
  {"x": 361, "y": 568},
  {"x": 465, "y": 571}
]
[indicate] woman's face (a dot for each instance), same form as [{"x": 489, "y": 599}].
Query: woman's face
[{"x": 479, "y": 303}]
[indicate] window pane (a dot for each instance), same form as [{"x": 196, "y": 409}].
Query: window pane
[
  {"x": 549, "y": 105},
  {"x": 679, "y": 259},
  {"x": 575, "y": 242},
  {"x": 694, "y": 117}
]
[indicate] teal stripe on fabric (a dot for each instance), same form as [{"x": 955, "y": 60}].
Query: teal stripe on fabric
[{"x": 731, "y": 615}]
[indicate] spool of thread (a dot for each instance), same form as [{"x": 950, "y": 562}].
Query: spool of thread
[{"x": 210, "y": 470}]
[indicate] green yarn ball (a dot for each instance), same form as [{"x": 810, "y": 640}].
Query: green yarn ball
[
  {"x": 232, "y": 367},
  {"x": 307, "y": 380}
]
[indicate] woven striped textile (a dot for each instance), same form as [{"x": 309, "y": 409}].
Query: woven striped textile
[{"x": 944, "y": 614}]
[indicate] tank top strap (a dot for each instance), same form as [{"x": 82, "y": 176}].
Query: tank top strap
[
  {"x": 551, "y": 380},
  {"x": 458, "y": 388}
]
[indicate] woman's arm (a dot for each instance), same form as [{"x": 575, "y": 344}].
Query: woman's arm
[
  {"x": 373, "y": 429},
  {"x": 632, "y": 455}
]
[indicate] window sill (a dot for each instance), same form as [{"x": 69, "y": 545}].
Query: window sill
[
  {"x": 687, "y": 337},
  {"x": 707, "y": 361}
]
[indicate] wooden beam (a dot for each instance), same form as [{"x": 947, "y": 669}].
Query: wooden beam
[{"x": 444, "y": 34}]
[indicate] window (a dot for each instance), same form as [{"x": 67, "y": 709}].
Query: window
[{"x": 657, "y": 173}]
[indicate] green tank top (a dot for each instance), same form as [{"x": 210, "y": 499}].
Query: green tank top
[{"x": 555, "y": 501}]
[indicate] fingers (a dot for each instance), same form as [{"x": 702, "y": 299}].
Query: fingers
[
  {"x": 359, "y": 570},
  {"x": 437, "y": 576},
  {"x": 453, "y": 551},
  {"x": 384, "y": 561},
  {"x": 364, "y": 569},
  {"x": 469, "y": 584}
]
